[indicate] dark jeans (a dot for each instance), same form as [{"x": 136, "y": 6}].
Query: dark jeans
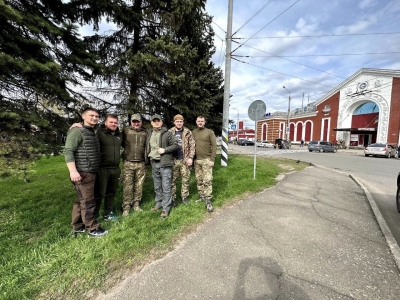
[
  {"x": 162, "y": 177},
  {"x": 105, "y": 187},
  {"x": 83, "y": 209}
]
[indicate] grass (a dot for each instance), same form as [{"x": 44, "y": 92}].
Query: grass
[{"x": 41, "y": 259}]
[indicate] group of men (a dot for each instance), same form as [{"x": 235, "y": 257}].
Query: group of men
[{"x": 92, "y": 154}]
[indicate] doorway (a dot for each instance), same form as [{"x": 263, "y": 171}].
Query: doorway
[{"x": 367, "y": 139}]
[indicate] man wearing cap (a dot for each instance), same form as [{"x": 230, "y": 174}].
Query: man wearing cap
[
  {"x": 134, "y": 171},
  {"x": 183, "y": 158},
  {"x": 206, "y": 150},
  {"x": 160, "y": 146}
]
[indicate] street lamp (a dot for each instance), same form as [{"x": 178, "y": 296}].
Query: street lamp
[
  {"x": 237, "y": 125},
  {"x": 288, "y": 117}
]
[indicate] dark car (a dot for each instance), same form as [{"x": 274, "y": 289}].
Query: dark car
[
  {"x": 243, "y": 142},
  {"x": 321, "y": 146},
  {"x": 398, "y": 193},
  {"x": 281, "y": 144}
]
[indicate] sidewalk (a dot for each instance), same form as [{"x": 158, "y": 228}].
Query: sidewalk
[{"x": 312, "y": 236}]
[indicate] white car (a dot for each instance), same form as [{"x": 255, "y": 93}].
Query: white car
[
  {"x": 265, "y": 144},
  {"x": 381, "y": 150}
]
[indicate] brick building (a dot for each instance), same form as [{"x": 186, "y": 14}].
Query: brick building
[{"x": 363, "y": 109}]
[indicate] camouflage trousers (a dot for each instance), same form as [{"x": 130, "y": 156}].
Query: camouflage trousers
[
  {"x": 204, "y": 177},
  {"x": 180, "y": 169},
  {"x": 133, "y": 177}
]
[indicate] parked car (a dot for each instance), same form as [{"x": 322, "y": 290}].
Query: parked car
[
  {"x": 321, "y": 146},
  {"x": 282, "y": 144},
  {"x": 243, "y": 142},
  {"x": 265, "y": 144},
  {"x": 398, "y": 193},
  {"x": 380, "y": 149}
]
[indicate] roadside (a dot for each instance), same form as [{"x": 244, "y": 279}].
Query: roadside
[{"x": 312, "y": 236}]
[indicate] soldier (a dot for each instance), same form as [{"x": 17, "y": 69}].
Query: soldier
[
  {"x": 160, "y": 145},
  {"x": 134, "y": 171},
  {"x": 106, "y": 185},
  {"x": 82, "y": 155},
  {"x": 206, "y": 150},
  {"x": 183, "y": 158}
]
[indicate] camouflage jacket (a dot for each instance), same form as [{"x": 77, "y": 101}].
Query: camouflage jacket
[{"x": 188, "y": 143}]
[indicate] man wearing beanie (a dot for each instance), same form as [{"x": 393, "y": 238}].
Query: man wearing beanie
[
  {"x": 206, "y": 150},
  {"x": 183, "y": 158}
]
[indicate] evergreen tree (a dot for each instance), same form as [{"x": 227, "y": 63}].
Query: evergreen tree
[
  {"x": 158, "y": 60},
  {"x": 41, "y": 57}
]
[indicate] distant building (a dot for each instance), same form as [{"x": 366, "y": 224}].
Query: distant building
[
  {"x": 247, "y": 134},
  {"x": 363, "y": 109}
]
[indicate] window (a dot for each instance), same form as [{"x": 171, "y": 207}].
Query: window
[{"x": 366, "y": 108}]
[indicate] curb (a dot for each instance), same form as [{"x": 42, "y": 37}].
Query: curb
[
  {"x": 394, "y": 247},
  {"x": 390, "y": 240}
]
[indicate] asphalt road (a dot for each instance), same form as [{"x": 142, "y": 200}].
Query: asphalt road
[{"x": 377, "y": 174}]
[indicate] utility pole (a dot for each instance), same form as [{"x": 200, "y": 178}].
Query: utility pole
[
  {"x": 237, "y": 125},
  {"x": 227, "y": 87},
  {"x": 288, "y": 117}
]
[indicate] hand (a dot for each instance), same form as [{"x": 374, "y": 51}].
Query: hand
[
  {"x": 75, "y": 176},
  {"x": 161, "y": 150},
  {"x": 189, "y": 162},
  {"x": 76, "y": 125},
  {"x": 211, "y": 164}
]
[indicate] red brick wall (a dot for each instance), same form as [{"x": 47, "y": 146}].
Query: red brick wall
[
  {"x": 273, "y": 125},
  {"x": 364, "y": 121},
  {"x": 394, "y": 118}
]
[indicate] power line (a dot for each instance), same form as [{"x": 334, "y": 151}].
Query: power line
[
  {"x": 316, "y": 36},
  {"x": 316, "y": 55},
  {"x": 267, "y": 24},
  {"x": 278, "y": 56},
  {"x": 219, "y": 27},
  {"x": 260, "y": 10},
  {"x": 281, "y": 73}
]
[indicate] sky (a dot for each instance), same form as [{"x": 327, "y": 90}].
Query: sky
[{"x": 308, "y": 46}]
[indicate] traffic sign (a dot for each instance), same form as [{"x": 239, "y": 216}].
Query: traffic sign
[
  {"x": 257, "y": 110},
  {"x": 233, "y": 126}
]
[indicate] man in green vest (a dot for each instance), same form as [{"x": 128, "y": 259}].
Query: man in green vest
[{"x": 82, "y": 155}]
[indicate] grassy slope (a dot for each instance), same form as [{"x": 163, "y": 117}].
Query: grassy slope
[{"x": 40, "y": 258}]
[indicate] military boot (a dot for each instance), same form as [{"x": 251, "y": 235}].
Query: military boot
[{"x": 136, "y": 206}]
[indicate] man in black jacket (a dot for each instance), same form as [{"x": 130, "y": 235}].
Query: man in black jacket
[
  {"x": 160, "y": 146},
  {"x": 106, "y": 186}
]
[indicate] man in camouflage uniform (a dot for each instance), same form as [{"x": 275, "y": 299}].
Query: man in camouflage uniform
[
  {"x": 206, "y": 150},
  {"x": 134, "y": 171},
  {"x": 183, "y": 158}
]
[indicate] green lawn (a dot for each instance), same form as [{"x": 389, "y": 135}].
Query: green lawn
[{"x": 42, "y": 260}]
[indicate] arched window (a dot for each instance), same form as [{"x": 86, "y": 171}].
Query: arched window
[{"x": 366, "y": 108}]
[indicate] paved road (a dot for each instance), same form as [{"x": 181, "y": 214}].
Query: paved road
[
  {"x": 377, "y": 174},
  {"x": 311, "y": 236}
]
